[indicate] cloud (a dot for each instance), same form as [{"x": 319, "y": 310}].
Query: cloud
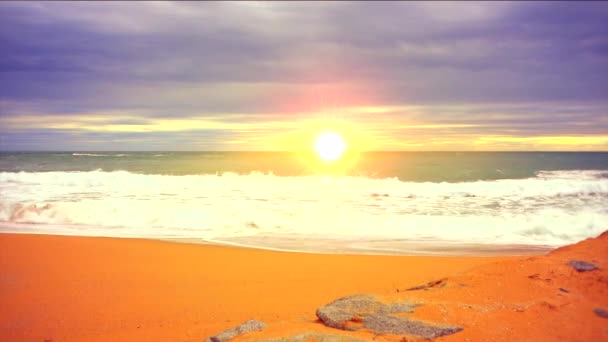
[{"x": 524, "y": 69}]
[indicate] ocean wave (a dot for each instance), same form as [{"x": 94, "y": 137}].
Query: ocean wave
[
  {"x": 553, "y": 208},
  {"x": 99, "y": 155},
  {"x": 89, "y": 155},
  {"x": 573, "y": 174}
]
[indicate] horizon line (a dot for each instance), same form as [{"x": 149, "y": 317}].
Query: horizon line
[{"x": 306, "y": 151}]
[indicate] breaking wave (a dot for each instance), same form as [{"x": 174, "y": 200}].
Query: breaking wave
[
  {"x": 99, "y": 155},
  {"x": 552, "y": 208}
]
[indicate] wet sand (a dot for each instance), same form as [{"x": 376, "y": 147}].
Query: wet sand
[{"x": 419, "y": 247}]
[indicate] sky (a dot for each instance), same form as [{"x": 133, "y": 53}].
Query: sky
[{"x": 406, "y": 76}]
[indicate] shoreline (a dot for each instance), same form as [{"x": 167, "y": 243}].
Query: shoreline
[
  {"x": 292, "y": 244},
  {"x": 384, "y": 247}
]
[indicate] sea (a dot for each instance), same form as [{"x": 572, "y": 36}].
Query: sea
[{"x": 411, "y": 203}]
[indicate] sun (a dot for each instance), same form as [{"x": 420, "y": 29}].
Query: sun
[{"x": 330, "y": 146}]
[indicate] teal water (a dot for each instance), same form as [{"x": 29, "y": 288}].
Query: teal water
[{"x": 407, "y": 166}]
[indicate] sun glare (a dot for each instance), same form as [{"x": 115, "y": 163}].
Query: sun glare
[{"x": 330, "y": 146}]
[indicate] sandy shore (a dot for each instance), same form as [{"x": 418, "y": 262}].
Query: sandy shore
[
  {"x": 64, "y": 288},
  {"x": 560, "y": 296}
]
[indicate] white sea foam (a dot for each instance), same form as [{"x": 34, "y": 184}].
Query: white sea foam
[
  {"x": 99, "y": 155},
  {"x": 553, "y": 208},
  {"x": 89, "y": 155}
]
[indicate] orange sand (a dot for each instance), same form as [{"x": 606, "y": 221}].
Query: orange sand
[
  {"x": 63, "y": 288},
  {"x": 532, "y": 299}
]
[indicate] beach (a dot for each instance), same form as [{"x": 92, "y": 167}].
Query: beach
[
  {"x": 177, "y": 246},
  {"x": 289, "y": 171},
  {"x": 66, "y": 288}
]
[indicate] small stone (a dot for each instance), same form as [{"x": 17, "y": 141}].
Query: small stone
[
  {"x": 582, "y": 266},
  {"x": 563, "y": 290},
  {"x": 248, "y": 326},
  {"x": 601, "y": 312}
]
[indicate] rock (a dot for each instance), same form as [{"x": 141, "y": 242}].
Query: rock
[
  {"x": 248, "y": 326},
  {"x": 582, "y": 266},
  {"x": 343, "y": 312},
  {"x": 318, "y": 337},
  {"x": 435, "y": 283},
  {"x": 601, "y": 312},
  {"x": 361, "y": 311},
  {"x": 386, "y": 324}
]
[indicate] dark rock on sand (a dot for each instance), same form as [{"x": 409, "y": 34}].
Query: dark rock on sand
[
  {"x": 318, "y": 337},
  {"x": 429, "y": 285},
  {"x": 248, "y": 326},
  {"x": 601, "y": 312},
  {"x": 582, "y": 266},
  {"x": 361, "y": 311},
  {"x": 386, "y": 324},
  {"x": 341, "y": 313}
]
